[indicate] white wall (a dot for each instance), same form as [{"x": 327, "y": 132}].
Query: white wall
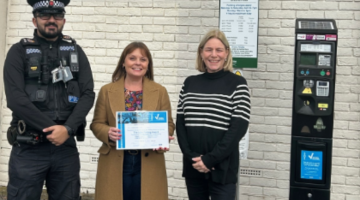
[
  {"x": 172, "y": 31},
  {"x": 3, "y": 28},
  {"x": 3, "y": 23}
]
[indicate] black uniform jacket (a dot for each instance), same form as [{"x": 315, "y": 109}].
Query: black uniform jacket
[{"x": 57, "y": 106}]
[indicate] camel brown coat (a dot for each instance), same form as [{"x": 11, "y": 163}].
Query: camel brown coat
[{"x": 110, "y": 167}]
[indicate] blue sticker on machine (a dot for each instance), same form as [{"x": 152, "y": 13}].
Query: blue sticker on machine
[
  {"x": 73, "y": 99},
  {"x": 311, "y": 165}
]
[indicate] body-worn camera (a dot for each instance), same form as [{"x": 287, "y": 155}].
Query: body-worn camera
[{"x": 62, "y": 74}]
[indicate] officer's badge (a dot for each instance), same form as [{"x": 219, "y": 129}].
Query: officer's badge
[
  {"x": 33, "y": 68},
  {"x": 73, "y": 99},
  {"x": 48, "y": 4}
]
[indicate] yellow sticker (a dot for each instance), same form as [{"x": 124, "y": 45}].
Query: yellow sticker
[
  {"x": 307, "y": 91},
  {"x": 323, "y": 105},
  {"x": 238, "y": 73},
  {"x": 34, "y": 68}
]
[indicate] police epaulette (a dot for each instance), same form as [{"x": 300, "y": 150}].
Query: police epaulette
[
  {"x": 68, "y": 38},
  {"x": 28, "y": 41}
]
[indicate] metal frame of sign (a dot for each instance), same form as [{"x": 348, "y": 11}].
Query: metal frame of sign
[{"x": 233, "y": 12}]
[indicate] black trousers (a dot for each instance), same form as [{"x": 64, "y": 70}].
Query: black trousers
[
  {"x": 202, "y": 189},
  {"x": 132, "y": 176},
  {"x": 31, "y": 165}
]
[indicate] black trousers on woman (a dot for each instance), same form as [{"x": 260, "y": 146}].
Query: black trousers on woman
[
  {"x": 132, "y": 175},
  {"x": 203, "y": 189}
]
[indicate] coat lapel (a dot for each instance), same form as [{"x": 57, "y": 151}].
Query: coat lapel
[
  {"x": 116, "y": 97},
  {"x": 150, "y": 95}
]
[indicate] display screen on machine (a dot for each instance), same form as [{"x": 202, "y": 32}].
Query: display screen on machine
[{"x": 308, "y": 59}]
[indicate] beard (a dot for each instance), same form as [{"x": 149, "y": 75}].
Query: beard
[{"x": 50, "y": 34}]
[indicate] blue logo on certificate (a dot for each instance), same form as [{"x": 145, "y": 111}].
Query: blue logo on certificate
[
  {"x": 311, "y": 165},
  {"x": 157, "y": 117},
  {"x": 142, "y": 129}
]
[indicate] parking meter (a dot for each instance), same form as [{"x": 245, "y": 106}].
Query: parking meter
[{"x": 313, "y": 109}]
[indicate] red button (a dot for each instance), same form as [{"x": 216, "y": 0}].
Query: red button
[{"x": 327, "y": 73}]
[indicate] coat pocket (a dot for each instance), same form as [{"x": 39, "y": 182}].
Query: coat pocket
[
  {"x": 73, "y": 91},
  {"x": 104, "y": 149},
  {"x": 36, "y": 93}
]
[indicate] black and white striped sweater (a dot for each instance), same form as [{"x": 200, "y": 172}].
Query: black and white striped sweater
[{"x": 212, "y": 116}]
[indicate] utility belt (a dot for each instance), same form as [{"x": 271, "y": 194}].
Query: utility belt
[{"x": 17, "y": 135}]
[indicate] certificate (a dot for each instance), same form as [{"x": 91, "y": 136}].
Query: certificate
[{"x": 142, "y": 129}]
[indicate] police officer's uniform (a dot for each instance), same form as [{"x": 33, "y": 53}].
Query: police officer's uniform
[{"x": 39, "y": 103}]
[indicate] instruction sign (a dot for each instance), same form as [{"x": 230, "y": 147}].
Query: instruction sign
[
  {"x": 307, "y": 91},
  {"x": 238, "y": 72},
  {"x": 311, "y": 165},
  {"x": 239, "y": 21}
]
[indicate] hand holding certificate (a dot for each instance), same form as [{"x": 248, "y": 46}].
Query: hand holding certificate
[{"x": 142, "y": 129}]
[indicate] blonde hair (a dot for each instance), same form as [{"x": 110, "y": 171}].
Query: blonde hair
[{"x": 216, "y": 33}]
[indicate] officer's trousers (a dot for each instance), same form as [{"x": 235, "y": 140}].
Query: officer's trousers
[{"x": 31, "y": 165}]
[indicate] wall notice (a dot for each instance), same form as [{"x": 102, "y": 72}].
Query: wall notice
[{"x": 239, "y": 21}]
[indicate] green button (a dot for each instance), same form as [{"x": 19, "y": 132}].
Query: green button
[{"x": 322, "y": 73}]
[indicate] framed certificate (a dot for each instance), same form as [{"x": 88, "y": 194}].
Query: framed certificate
[{"x": 142, "y": 129}]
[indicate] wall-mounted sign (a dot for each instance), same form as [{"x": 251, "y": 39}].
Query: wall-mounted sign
[
  {"x": 238, "y": 72},
  {"x": 316, "y": 47},
  {"x": 239, "y": 21},
  {"x": 244, "y": 146}
]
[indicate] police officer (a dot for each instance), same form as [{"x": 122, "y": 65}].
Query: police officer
[{"x": 49, "y": 88}]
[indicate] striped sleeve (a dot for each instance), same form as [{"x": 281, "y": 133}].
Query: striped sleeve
[
  {"x": 180, "y": 108},
  {"x": 241, "y": 100}
]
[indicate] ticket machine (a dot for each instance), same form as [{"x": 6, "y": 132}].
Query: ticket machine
[{"x": 313, "y": 109}]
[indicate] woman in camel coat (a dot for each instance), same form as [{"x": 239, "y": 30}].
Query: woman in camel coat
[{"x": 131, "y": 74}]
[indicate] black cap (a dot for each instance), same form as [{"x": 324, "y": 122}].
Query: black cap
[{"x": 48, "y": 6}]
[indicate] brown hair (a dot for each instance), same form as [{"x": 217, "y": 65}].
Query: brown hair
[
  {"x": 120, "y": 70},
  {"x": 216, "y": 33}
]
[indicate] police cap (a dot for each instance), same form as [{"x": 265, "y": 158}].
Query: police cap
[{"x": 48, "y": 6}]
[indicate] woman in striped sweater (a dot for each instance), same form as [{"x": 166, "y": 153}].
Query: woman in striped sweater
[{"x": 212, "y": 116}]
